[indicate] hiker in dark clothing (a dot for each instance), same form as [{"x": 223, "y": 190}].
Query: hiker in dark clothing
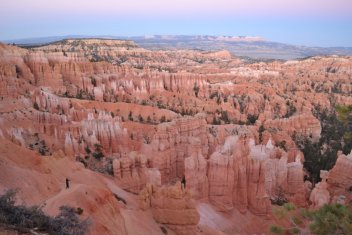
[
  {"x": 67, "y": 183},
  {"x": 184, "y": 181}
]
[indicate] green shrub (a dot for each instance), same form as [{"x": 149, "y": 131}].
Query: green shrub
[
  {"x": 162, "y": 119},
  {"x": 98, "y": 153},
  {"x": 251, "y": 119},
  {"x": 93, "y": 81},
  {"x": 274, "y": 229},
  {"x": 291, "y": 109},
  {"x": 279, "y": 212},
  {"x": 279, "y": 197},
  {"x": 87, "y": 149},
  {"x": 332, "y": 219},
  {"x": 79, "y": 211},
  {"x": 140, "y": 118},
  {"x": 149, "y": 120},
  {"x": 196, "y": 89},
  {"x": 130, "y": 117},
  {"x": 216, "y": 121},
  {"x": 289, "y": 206},
  {"x": 36, "y": 106},
  {"x": 225, "y": 117},
  {"x": 322, "y": 155},
  {"x": 24, "y": 219},
  {"x": 305, "y": 213},
  {"x": 282, "y": 144},
  {"x": 297, "y": 220},
  {"x": 295, "y": 230},
  {"x": 260, "y": 131}
]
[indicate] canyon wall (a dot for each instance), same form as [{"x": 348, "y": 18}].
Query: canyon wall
[{"x": 177, "y": 127}]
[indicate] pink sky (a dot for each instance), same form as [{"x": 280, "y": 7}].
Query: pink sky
[
  {"x": 174, "y": 8},
  {"x": 313, "y": 22}
]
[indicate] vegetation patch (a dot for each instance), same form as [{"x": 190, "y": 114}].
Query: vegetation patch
[
  {"x": 329, "y": 219},
  {"x": 335, "y": 136},
  {"x": 30, "y": 219}
]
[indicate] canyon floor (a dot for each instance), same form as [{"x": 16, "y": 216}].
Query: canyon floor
[{"x": 173, "y": 141}]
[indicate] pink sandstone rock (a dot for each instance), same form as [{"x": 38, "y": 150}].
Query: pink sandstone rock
[
  {"x": 320, "y": 194},
  {"x": 172, "y": 206},
  {"x": 339, "y": 180},
  {"x": 131, "y": 172},
  {"x": 248, "y": 181},
  {"x": 81, "y": 103}
]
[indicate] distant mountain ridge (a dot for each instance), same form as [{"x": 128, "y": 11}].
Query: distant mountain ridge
[{"x": 245, "y": 46}]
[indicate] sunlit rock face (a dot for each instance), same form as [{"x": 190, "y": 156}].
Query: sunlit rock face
[{"x": 165, "y": 131}]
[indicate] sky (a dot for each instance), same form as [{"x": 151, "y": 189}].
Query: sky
[{"x": 299, "y": 22}]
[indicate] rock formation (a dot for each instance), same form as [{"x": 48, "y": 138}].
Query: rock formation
[
  {"x": 339, "y": 179},
  {"x": 172, "y": 206},
  {"x": 131, "y": 172},
  {"x": 320, "y": 194},
  {"x": 120, "y": 120},
  {"x": 247, "y": 176}
]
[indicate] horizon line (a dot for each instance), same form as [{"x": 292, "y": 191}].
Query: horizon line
[{"x": 149, "y": 36}]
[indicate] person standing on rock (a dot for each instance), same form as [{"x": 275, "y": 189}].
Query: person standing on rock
[
  {"x": 67, "y": 183},
  {"x": 183, "y": 182}
]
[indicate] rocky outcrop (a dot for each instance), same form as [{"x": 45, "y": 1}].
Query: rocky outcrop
[
  {"x": 172, "y": 206},
  {"x": 320, "y": 194},
  {"x": 131, "y": 172},
  {"x": 196, "y": 178},
  {"x": 221, "y": 179},
  {"x": 220, "y": 125},
  {"x": 103, "y": 129},
  {"x": 336, "y": 185},
  {"x": 247, "y": 176},
  {"x": 305, "y": 125},
  {"x": 94, "y": 201},
  {"x": 171, "y": 145},
  {"x": 339, "y": 179},
  {"x": 297, "y": 190}
]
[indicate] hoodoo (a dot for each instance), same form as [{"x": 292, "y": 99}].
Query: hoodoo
[{"x": 139, "y": 141}]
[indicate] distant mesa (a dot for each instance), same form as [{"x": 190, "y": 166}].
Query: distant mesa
[
  {"x": 252, "y": 47},
  {"x": 203, "y": 37},
  {"x": 98, "y": 41},
  {"x": 240, "y": 39}
]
